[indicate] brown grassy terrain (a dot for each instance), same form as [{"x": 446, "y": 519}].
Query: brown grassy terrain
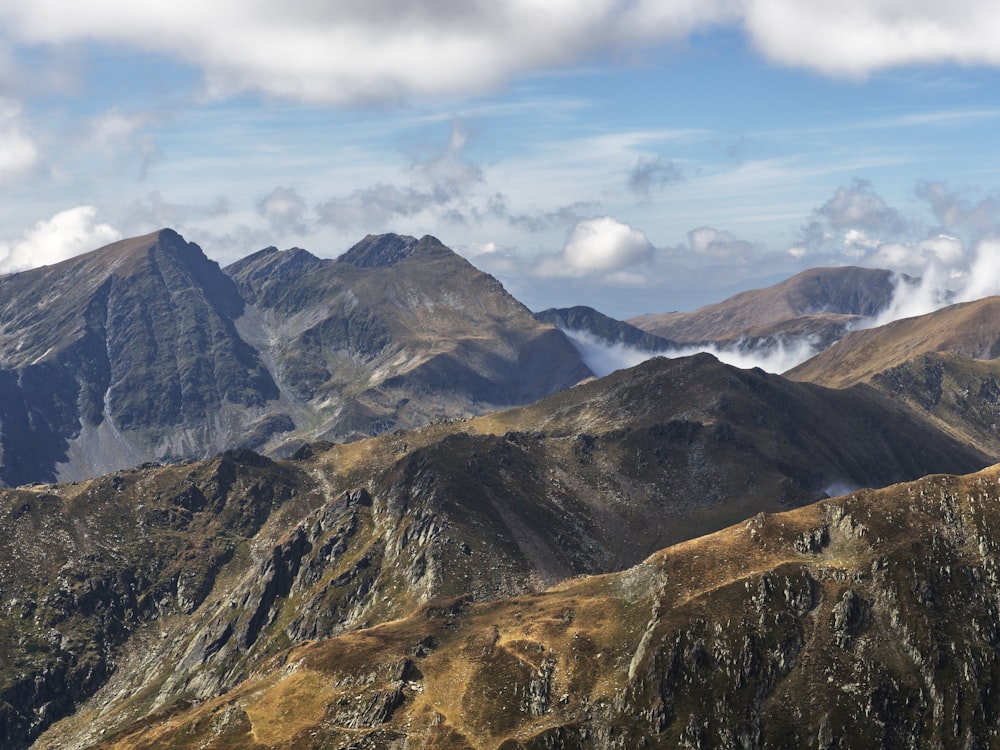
[
  {"x": 823, "y": 302},
  {"x": 970, "y": 329},
  {"x": 182, "y": 581},
  {"x": 864, "y": 621}
]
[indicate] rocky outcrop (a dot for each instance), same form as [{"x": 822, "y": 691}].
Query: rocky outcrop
[
  {"x": 145, "y": 350},
  {"x": 863, "y": 621}
]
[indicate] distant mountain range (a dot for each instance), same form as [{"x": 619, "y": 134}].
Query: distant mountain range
[
  {"x": 823, "y": 303},
  {"x": 459, "y": 537},
  {"x": 147, "y": 350}
]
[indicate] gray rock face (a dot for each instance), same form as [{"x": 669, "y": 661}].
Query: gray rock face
[
  {"x": 146, "y": 350},
  {"x": 133, "y": 347},
  {"x": 605, "y": 328}
]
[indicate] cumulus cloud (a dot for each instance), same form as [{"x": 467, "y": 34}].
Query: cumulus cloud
[
  {"x": 375, "y": 50},
  {"x": 63, "y": 236},
  {"x": 380, "y": 50},
  {"x": 602, "y": 245},
  {"x": 285, "y": 210},
  {"x": 715, "y": 243},
  {"x": 653, "y": 172},
  {"x": 855, "y": 37},
  {"x": 860, "y": 207},
  {"x": 18, "y": 152},
  {"x": 854, "y": 221}
]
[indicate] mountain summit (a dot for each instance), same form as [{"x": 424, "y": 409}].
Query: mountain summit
[
  {"x": 147, "y": 350},
  {"x": 820, "y": 302}
]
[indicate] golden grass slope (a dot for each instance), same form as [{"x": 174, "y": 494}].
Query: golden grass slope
[
  {"x": 971, "y": 329},
  {"x": 820, "y": 301},
  {"x": 864, "y": 621}
]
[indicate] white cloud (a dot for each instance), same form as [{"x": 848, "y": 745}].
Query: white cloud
[
  {"x": 477, "y": 249},
  {"x": 984, "y": 276},
  {"x": 116, "y": 132},
  {"x": 962, "y": 208},
  {"x": 850, "y": 225},
  {"x": 379, "y": 50},
  {"x": 374, "y": 50},
  {"x": 600, "y": 245},
  {"x": 65, "y": 235},
  {"x": 284, "y": 209},
  {"x": 715, "y": 243},
  {"x": 18, "y": 152},
  {"x": 856, "y": 37},
  {"x": 858, "y": 206},
  {"x": 771, "y": 356},
  {"x": 603, "y": 357}
]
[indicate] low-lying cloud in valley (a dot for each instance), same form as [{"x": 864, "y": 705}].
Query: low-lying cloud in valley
[{"x": 603, "y": 357}]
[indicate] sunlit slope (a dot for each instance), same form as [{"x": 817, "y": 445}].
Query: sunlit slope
[
  {"x": 864, "y": 621},
  {"x": 821, "y": 303},
  {"x": 176, "y": 583}
]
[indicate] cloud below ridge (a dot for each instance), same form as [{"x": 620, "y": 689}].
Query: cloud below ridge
[{"x": 603, "y": 357}]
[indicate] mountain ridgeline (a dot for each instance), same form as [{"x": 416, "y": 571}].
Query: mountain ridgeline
[
  {"x": 351, "y": 543},
  {"x": 821, "y": 303},
  {"x": 175, "y": 584},
  {"x": 147, "y": 350}
]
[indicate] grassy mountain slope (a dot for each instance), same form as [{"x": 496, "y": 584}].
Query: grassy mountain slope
[
  {"x": 865, "y": 621},
  {"x": 162, "y": 585},
  {"x": 971, "y": 329},
  {"x": 821, "y": 302}
]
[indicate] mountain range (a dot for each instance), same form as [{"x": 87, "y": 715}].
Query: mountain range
[
  {"x": 146, "y": 350},
  {"x": 375, "y": 502}
]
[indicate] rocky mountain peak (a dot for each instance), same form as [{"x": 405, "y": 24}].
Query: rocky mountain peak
[{"x": 380, "y": 250}]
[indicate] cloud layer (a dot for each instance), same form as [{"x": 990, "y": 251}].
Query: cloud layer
[
  {"x": 382, "y": 50},
  {"x": 603, "y": 357}
]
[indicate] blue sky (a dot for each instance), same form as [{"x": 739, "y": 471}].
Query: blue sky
[{"x": 634, "y": 156}]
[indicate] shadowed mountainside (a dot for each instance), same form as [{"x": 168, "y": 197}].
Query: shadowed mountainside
[
  {"x": 943, "y": 365},
  {"x": 119, "y": 355},
  {"x": 865, "y": 621},
  {"x": 146, "y": 350},
  {"x": 607, "y": 329}
]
